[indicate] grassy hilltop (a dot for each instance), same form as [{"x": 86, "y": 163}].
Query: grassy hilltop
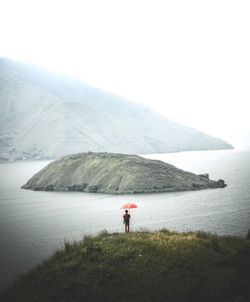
[{"x": 141, "y": 266}]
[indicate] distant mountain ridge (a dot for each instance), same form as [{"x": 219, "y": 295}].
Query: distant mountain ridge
[{"x": 43, "y": 115}]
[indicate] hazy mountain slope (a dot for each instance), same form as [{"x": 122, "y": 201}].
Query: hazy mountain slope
[
  {"x": 46, "y": 115},
  {"x": 69, "y": 127}
]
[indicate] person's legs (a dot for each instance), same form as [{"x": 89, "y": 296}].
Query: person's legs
[{"x": 128, "y": 227}]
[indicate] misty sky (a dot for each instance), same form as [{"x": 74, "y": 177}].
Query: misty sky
[{"x": 189, "y": 60}]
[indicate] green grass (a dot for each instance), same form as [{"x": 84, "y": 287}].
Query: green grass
[{"x": 141, "y": 266}]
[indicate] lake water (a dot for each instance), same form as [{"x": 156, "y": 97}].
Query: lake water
[{"x": 34, "y": 224}]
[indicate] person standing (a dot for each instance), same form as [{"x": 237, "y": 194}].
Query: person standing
[{"x": 126, "y": 220}]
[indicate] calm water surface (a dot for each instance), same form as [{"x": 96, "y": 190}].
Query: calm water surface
[{"x": 34, "y": 224}]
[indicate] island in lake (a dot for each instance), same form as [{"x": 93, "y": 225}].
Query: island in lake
[{"x": 116, "y": 174}]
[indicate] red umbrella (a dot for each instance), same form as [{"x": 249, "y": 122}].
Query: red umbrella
[{"x": 129, "y": 206}]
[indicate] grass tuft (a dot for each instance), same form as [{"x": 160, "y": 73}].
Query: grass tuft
[{"x": 248, "y": 235}]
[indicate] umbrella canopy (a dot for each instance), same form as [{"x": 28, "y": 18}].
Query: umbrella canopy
[{"x": 129, "y": 206}]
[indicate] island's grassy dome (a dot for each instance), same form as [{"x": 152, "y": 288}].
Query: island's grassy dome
[{"x": 115, "y": 173}]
